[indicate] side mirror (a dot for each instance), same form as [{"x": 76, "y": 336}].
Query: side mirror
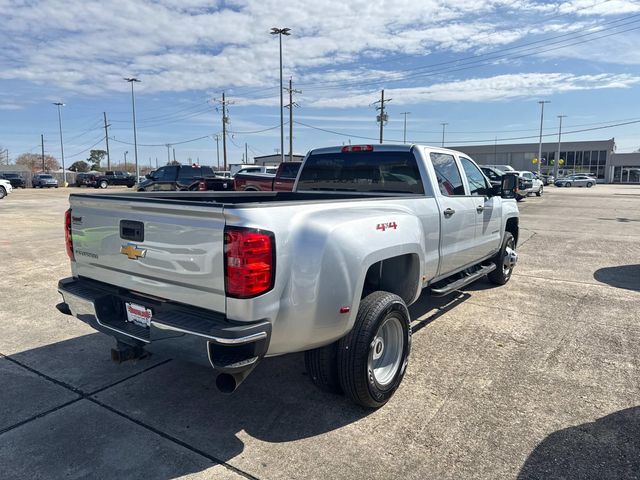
[{"x": 509, "y": 186}]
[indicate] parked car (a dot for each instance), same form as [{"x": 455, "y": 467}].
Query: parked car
[
  {"x": 184, "y": 178},
  {"x": 14, "y": 179},
  {"x": 504, "y": 168},
  {"x": 86, "y": 180},
  {"x": 5, "y": 188},
  {"x": 42, "y": 180},
  {"x": 236, "y": 169},
  {"x": 578, "y": 180},
  {"x": 495, "y": 177},
  {"x": 536, "y": 185},
  {"x": 545, "y": 179},
  {"x": 222, "y": 173},
  {"x": 282, "y": 180},
  {"x": 226, "y": 279},
  {"x": 116, "y": 177}
]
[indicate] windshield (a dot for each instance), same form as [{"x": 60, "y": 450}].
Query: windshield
[
  {"x": 385, "y": 172},
  {"x": 45, "y": 176}
]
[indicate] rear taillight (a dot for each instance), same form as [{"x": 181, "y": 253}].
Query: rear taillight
[
  {"x": 357, "y": 148},
  {"x": 249, "y": 262},
  {"x": 202, "y": 185},
  {"x": 68, "y": 240}
]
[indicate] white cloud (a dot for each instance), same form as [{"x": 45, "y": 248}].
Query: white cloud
[{"x": 491, "y": 89}]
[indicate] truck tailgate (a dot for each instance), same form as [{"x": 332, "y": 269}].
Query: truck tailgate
[{"x": 164, "y": 249}]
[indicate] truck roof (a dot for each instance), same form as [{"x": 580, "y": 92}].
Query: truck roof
[{"x": 386, "y": 147}]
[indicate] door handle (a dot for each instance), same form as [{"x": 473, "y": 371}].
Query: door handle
[
  {"x": 479, "y": 209},
  {"x": 448, "y": 212}
]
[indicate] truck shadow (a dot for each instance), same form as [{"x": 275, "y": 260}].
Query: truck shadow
[
  {"x": 604, "y": 449},
  {"x": 624, "y": 276},
  {"x": 178, "y": 402}
]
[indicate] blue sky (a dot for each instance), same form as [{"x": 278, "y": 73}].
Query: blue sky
[{"x": 480, "y": 66}]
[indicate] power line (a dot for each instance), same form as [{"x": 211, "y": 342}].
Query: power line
[{"x": 87, "y": 149}]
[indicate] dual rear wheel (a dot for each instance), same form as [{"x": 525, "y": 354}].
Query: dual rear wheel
[{"x": 367, "y": 364}]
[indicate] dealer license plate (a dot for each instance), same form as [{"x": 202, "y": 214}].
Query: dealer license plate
[{"x": 138, "y": 314}]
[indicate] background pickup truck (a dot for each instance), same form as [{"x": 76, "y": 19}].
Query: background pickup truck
[
  {"x": 115, "y": 178},
  {"x": 282, "y": 181},
  {"x": 226, "y": 279},
  {"x": 184, "y": 178}
]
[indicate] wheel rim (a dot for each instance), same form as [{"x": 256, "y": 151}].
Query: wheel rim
[
  {"x": 509, "y": 258},
  {"x": 385, "y": 352}
]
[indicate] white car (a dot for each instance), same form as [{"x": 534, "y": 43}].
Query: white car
[
  {"x": 5, "y": 188},
  {"x": 537, "y": 185}
]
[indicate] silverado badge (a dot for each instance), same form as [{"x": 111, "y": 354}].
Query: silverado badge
[{"x": 132, "y": 251}]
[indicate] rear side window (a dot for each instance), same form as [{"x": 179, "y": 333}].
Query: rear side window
[
  {"x": 477, "y": 182},
  {"x": 188, "y": 172},
  {"x": 289, "y": 170},
  {"x": 384, "y": 172},
  {"x": 447, "y": 173}
]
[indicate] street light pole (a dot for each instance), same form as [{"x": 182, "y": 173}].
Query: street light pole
[
  {"x": 404, "y": 136},
  {"x": 280, "y": 32},
  {"x": 541, "y": 102},
  {"x": 557, "y": 162},
  {"x": 64, "y": 171},
  {"x": 133, "y": 80},
  {"x": 125, "y": 160},
  {"x": 443, "y": 127}
]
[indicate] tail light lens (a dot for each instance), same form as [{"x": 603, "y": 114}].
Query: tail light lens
[
  {"x": 202, "y": 186},
  {"x": 249, "y": 262},
  {"x": 68, "y": 240}
]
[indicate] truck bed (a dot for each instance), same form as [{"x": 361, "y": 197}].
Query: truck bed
[{"x": 243, "y": 199}]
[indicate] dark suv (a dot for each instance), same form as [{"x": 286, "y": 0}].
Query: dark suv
[
  {"x": 184, "y": 178},
  {"x": 86, "y": 180},
  {"x": 115, "y": 178},
  {"x": 15, "y": 180}
]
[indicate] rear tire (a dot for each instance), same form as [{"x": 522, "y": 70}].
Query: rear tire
[
  {"x": 504, "y": 268},
  {"x": 539, "y": 192},
  {"x": 373, "y": 356},
  {"x": 589, "y": 185},
  {"x": 104, "y": 184},
  {"x": 568, "y": 184},
  {"x": 322, "y": 366},
  {"x": 3, "y": 193}
]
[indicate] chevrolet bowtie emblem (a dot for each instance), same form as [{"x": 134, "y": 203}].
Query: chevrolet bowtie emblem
[{"x": 132, "y": 251}]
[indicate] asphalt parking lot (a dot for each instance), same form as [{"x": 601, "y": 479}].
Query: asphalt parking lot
[{"x": 537, "y": 379}]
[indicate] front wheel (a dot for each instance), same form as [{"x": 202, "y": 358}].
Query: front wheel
[
  {"x": 505, "y": 260},
  {"x": 3, "y": 193},
  {"x": 568, "y": 184},
  {"x": 104, "y": 184},
  {"x": 373, "y": 357},
  {"x": 539, "y": 192}
]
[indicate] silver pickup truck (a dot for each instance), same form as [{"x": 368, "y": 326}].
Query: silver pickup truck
[{"x": 226, "y": 279}]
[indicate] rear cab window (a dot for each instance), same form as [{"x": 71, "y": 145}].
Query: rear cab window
[
  {"x": 362, "y": 171},
  {"x": 289, "y": 169},
  {"x": 447, "y": 174}
]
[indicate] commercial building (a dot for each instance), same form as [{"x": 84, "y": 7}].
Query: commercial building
[
  {"x": 625, "y": 168},
  {"x": 595, "y": 156},
  {"x": 272, "y": 160}
]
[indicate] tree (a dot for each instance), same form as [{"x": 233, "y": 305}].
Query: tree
[
  {"x": 95, "y": 157},
  {"x": 79, "y": 166},
  {"x": 34, "y": 162}
]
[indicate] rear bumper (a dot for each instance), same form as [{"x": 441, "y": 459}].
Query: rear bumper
[{"x": 176, "y": 330}]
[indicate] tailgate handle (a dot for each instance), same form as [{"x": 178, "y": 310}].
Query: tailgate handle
[{"x": 132, "y": 230}]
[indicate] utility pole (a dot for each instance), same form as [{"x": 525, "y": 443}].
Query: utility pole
[
  {"x": 291, "y": 106},
  {"x": 225, "y": 120},
  {"x": 557, "y": 162},
  {"x": 64, "y": 171},
  {"x": 106, "y": 137},
  {"x": 404, "y": 136},
  {"x": 125, "y": 160},
  {"x": 443, "y": 127},
  {"x": 382, "y": 118},
  {"x": 168, "y": 153},
  {"x": 246, "y": 152},
  {"x": 42, "y": 145},
  {"x": 174, "y": 155},
  {"x": 280, "y": 32},
  {"x": 133, "y": 80},
  {"x": 156, "y": 163},
  {"x": 217, "y": 139},
  {"x": 541, "y": 102}
]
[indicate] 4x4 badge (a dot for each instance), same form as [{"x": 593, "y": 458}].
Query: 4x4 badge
[{"x": 132, "y": 251}]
